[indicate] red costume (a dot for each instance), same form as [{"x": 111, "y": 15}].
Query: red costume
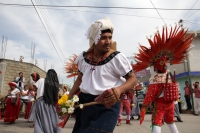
[
  {"x": 169, "y": 47},
  {"x": 162, "y": 109},
  {"x": 126, "y": 100}
]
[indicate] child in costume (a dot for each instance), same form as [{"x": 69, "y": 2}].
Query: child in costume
[
  {"x": 165, "y": 48},
  {"x": 126, "y": 100}
]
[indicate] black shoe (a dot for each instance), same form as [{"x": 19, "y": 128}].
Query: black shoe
[
  {"x": 196, "y": 114},
  {"x": 132, "y": 118},
  {"x": 138, "y": 118},
  {"x": 179, "y": 120}
]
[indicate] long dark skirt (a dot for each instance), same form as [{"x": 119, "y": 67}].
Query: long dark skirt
[
  {"x": 96, "y": 118},
  {"x": 46, "y": 118}
]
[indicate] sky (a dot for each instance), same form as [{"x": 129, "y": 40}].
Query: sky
[{"x": 66, "y": 26}]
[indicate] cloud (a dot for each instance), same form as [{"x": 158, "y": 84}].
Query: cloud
[{"x": 22, "y": 26}]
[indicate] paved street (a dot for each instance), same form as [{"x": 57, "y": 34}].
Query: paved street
[{"x": 191, "y": 124}]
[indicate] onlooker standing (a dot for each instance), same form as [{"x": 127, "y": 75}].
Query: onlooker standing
[
  {"x": 136, "y": 108},
  {"x": 39, "y": 85},
  {"x": 20, "y": 81},
  {"x": 187, "y": 95},
  {"x": 31, "y": 99},
  {"x": 196, "y": 92},
  {"x": 177, "y": 107},
  {"x": 24, "y": 96},
  {"x": 12, "y": 104},
  {"x": 176, "y": 112}
]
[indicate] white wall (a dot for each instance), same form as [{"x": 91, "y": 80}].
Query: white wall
[{"x": 195, "y": 57}]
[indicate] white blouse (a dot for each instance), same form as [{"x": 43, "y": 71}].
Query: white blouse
[
  {"x": 40, "y": 87},
  {"x": 107, "y": 74},
  {"x": 13, "y": 93}
]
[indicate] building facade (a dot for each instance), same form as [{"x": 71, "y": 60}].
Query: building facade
[{"x": 9, "y": 70}]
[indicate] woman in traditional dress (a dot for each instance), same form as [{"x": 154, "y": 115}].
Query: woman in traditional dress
[
  {"x": 39, "y": 86},
  {"x": 12, "y": 104},
  {"x": 31, "y": 96},
  {"x": 46, "y": 118}
]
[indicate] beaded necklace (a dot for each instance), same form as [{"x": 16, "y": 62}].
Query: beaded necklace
[{"x": 92, "y": 68}]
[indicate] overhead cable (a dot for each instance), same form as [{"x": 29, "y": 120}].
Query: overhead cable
[
  {"x": 48, "y": 33},
  {"x": 134, "y": 8}
]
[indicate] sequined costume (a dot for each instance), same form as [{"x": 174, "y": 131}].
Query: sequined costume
[
  {"x": 125, "y": 104},
  {"x": 170, "y": 47},
  {"x": 162, "y": 111}
]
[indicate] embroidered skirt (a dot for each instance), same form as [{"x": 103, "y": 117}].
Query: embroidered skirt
[{"x": 96, "y": 118}]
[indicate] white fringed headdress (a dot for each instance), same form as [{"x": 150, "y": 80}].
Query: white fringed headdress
[{"x": 94, "y": 31}]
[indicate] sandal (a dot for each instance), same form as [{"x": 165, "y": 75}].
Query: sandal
[
  {"x": 129, "y": 123},
  {"x": 32, "y": 126},
  {"x": 118, "y": 123}
]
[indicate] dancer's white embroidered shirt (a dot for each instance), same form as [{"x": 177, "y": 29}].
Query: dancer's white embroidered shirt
[{"x": 106, "y": 76}]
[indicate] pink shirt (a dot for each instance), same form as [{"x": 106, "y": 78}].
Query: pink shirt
[
  {"x": 187, "y": 90},
  {"x": 197, "y": 93}
]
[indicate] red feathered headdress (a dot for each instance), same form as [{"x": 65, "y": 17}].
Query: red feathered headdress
[
  {"x": 71, "y": 68},
  {"x": 171, "y": 47}
]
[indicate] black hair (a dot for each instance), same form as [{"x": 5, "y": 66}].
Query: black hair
[
  {"x": 51, "y": 87},
  {"x": 20, "y": 72},
  {"x": 197, "y": 82},
  {"x": 186, "y": 81},
  {"x": 105, "y": 31}
]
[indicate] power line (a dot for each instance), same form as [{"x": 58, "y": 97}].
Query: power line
[
  {"x": 47, "y": 32},
  {"x": 112, "y": 13},
  {"x": 190, "y": 9},
  {"x": 5, "y": 4},
  {"x": 157, "y": 12},
  {"x": 105, "y": 12},
  {"x": 49, "y": 27},
  {"x": 191, "y": 22},
  {"x": 197, "y": 25},
  {"x": 192, "y": 14}
]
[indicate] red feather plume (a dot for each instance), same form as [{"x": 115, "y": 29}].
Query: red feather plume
[
  {"x": 174, "y": 44},
  {"x": 71, "y": 68}
]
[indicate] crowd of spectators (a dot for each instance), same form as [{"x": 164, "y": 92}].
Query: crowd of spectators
[{"x": 21, "y": 97}]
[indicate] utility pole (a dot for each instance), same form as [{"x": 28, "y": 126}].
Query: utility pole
[{"x": 191, "y": 92}]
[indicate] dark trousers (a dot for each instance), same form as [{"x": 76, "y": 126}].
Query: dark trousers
[
  {"x": 187, "y": 99},
  {"x": 179, "y": 107}
]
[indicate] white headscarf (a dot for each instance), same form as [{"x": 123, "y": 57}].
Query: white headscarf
[{"x": 94, "y": 31}]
